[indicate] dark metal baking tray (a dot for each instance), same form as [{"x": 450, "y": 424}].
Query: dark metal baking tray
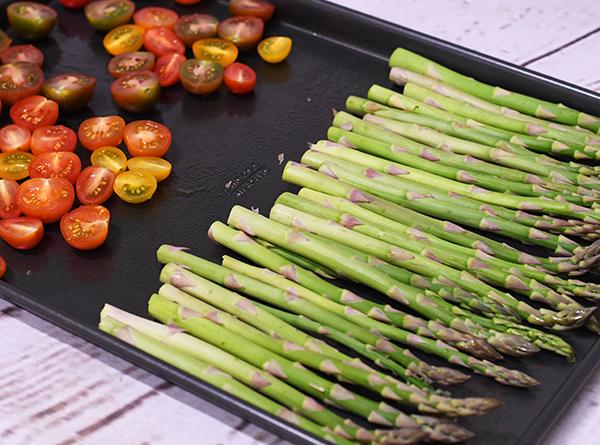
[{"x": 225, "y": 152}]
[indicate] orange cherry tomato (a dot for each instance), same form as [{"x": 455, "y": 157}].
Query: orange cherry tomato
[
  {"x": 275, "y": 49},
  {"x": 14, "y": 137},
  {"x": 45, "y": 198},
  {"x": 94, "y": 185},
  {"x": 167, "y": 68},
  {"x": 153, "y": 16},
  {"x": 215, "y": 50},
  {"x": 97, "y": 132},
  {"x": 8, "y": 199},
  {"x": 239, "y": 78},
  {"x": 86, "y": 227},
  {"x": 161, "y": 41},
  {"x": 22, "y": 53},
  {"x": 190, "y": 28},
  {"x": 147, "y": 138},
  {"x": 34, "y": 111},
  {"x": 22, "y": 233},
  {"x": 19, "y": 80},
  {"x": 124, "y": 39},
  {"x": 243, "y": 31},
  {"x": 60, "y": 164},
  {"x": 53, "y": 138},
  {"x": 256, "y": 8}
]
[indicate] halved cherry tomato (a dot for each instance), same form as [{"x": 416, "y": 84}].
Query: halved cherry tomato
[
  {"x": 8, "y": 199},
  {"x": 124, "y": 39},
  {"x": 187, "y": 2},
  {"x": 244, "y": 31},
  {"x": 105, "y": 15},
  {"x": 167, "y": 68},
  {"x": 158, "y": 167},
  {"x": 22, "y": 53},
  {"x": 135, "y": 186},
  {"x": 94, "y": 185},
  {"x": 74, "y": 4},
  {"x": 239, "y": 78},
  {"x": 5, "y": 41},
  {"x": 72, "y": 91},
  {"x": 53, "y": 138},
  {"x": 256, "y": 8},
  {"x": 34, "y": 111},
  {"x": 14, "y": 137},
  {"x": 31, "y": 20},
  {"x": 22, "y": 233},
  {"x": 130, "y": 62},
  {"x": 153, "y": 16},
  {"x": 201, "y": 76},
  {"x": 112, "y": 158},
  {"x": 216, "y": 50},
  {"x": 61, "y": 164},
  {"x": 147, "y": 138},
  {"x": 161, "y": 41},
  {"x": 275, "y": 49},
  {"x": 45, "y": 198},
  {"x": 97, "y": 132},
  {"x": 86, "y": 227},
  {"x": 15, "y": 165},
  {"x": 2, "y": 267},
  {"x": 19, "y": 80},
  {"x": 190, "y": 28},
  {"x": 137, "y": 92}
]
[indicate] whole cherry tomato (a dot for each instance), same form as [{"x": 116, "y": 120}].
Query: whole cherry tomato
[
  {"x": 97, "y": 132},
  {"x": 239, "y": 78},
  {"x": 45, "y": 198},
  {"x": 53, "y": 138},
  {"x": 86, "y": 227},
  {"x": 34, "y": 111}
]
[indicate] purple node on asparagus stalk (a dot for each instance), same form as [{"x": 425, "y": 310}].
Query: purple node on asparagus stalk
[
  {"x": 444, "y": 147},
  {"x": 538, "y": 234},
  {"x": 476, "y": 189},
  {"x": 525, "y": 205},
  {"x": 232, "y": 282},
  {"x": 288, "y": 416},
  {"x": 398, "y": 295},
  {"x": 296, "y": 237},
  {"x": 241, "y": 237},
  {"x": 487, "y": 209},
  {"x": 417, "y": 234},
  {"x": 474, "y": 263},
  {"x": 384, "y": 345},
  {"x": 291, "y": 294},
  {"x": 275, "y": 369},
  {"x": 515, "y": 283},
  {"x": 297, "y": 223},
  {"x": 180, "y": 279},
  {"x": 289, "y": 271},
  {"x": 246, "y": 305},
  {"x": 258, "y": 381},
  {"x": 344, "y": 141},
  {"x": 429, "y": 254},
  {"x": 433, "y": 103},
  {"x": 358, "y": 196},
  {"x": 377, "y": 314},
  {"x": 375, "y": 417},
  {"x": 125, "y": 334},
  {"x": 399, "y": 149},
  {"x": 350, "y": 221},
  {"x": 398, "y": 75},
  {"x": 471, "y": 160},
  {"x": 480, "y": 245},
  {"x": 326, "y": 170},
  {"x": 311, "y": 404},
  {"x": 414, "y": 195},
  {"x": 214, "y": 316},
  {"x": 347, "y": 126},
  {"x": 186, "y": 313},
  {"x": 396, "y": 171},
  {"x": 486, "y": 224},
  {"x": 500, "y": 92},
  {"x": 463, "y": 176},
  {"x": 328, "y": 367},
  {"x": 371, "y": 173},
  {"x": 453, "y": 228},
  {"x": 291, "y": 346},
  {"x": 243, "y": 225},
  {"x": 349, "y": 297},
  {"x": 400, "y": 254}
]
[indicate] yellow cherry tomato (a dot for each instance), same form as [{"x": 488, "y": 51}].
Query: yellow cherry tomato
[
  {"x": 275, "y": 49},
  {"x": 15, "y": 165},
  {"x": 124, "y": 39},
  {"x": 112, "y": 158},
  {"x": 217, "y": 50},
  {"x": 135, "y": 186},
  {"x": 158, "y": 167}
]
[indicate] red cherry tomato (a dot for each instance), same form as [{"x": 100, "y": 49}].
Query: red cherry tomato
[
  {"x": 22, "y": 53},
  {"x": 2, "y": 267},
  {"x": 94, "y": 185},
  {"x": 167, "y": 68},
  {"x": 154, "y": 16},
  {"x": 61, "y": 164},
  {"x": 147, "y": 138},
  {"x": 8, "y": 199},
  {"x": 244, "y": 31},
  {"x": 97, "y": 132},
  {"x": 161, "y": 41},
  {"x": 187, "y": 2},
  {"x": 45, "y": 198},
  {"x": 19, "y": 80},
  {"x": 14, "y": 137},
  {"x": 256, "y": 8},
  {"x": 239, "y": 78},
  {"x": 86, "y": 227},
  {"x": 53, "y": 138},
  {"x": 34, "y": 111},
  {"x": 22, "y": 233},
  {"x": 74, "y": 4},
  {"x": 190, "y": 28}
]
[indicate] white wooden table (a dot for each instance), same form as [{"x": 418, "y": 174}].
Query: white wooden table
[{"x": 58, "y": 389}]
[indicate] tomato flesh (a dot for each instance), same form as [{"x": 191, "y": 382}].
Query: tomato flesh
[
  {"x": 19, "y": 80},
  {"x": 154, "y": 16},
  {"x": 22, "y": 233},
  {"x": 243, "y": 31},
  {"x": 105, "y": 15},
  {"x": 31, "y": 20},
  {"x": 111, "y": 158},
  {"x": 53, "y": 138},
  {"x": 15, "y": 165},
  {"x": 97, "y": 132},
  {"x": 14, "y": 137},
  {"x": 167, "y": 69},
  {"x": 137, "y": 92},
  {"x": 239, "y": 78},
  {"x": 158, "y": 167},
  {"x": 22, "y": 53},
  {"x": 34, "y": 112},
  {"x": 200, "y": 76},
  {"x": 45, "y": 198},
  {"x": 61, "y": 164},
  {"x": 8, "y": 199},
  {"x": 147, "y": 138},
  {"x": 215, "y": 50},
  {"x": 72, "y": 91},
  {"x": 94, "y": 185},
  {"x": 86, "y": 227},
  {"x": 275, "y": 49},
  {"x": 161, "y": 41},
  {"x": 256, "y": 8},
  {"x": 193, "y": 27},
  {"x": 135, "y": 186},
  {"x": 130, "y": 62},
  {"x": 124, "y": 39}
]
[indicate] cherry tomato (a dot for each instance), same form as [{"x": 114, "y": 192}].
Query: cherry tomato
[
  {"x": 22, "y": 53},
  {"x": 187, "y": 2},
  {"x": 5, "y": 40},
  {"x": 45, "y": 198},
  {"x": 8, "y": 199},
  {"x": 239, "y": 78},
  {"x": 94, "y": 185},
  {"x": 215, "y": 50},
  {"x": 74, "y": 4},
  {"x": 135, "y": 186},
  {"x": 97, "y": 132},
  {"x": 200, "y": 76},
  {"x": 2, "y": 267},
  {"x": 161, "y": 41},
  {"x": 153, "y": 16},
  {"x": 86, "y": 227},
  {"x": 112, "y": 158},
  {"x": 72, "y": 91},
  {"x": 15, "y": 165},
  {"x": 275, "y": 49},
  {"x": 34, "y": 111},
  {"x": 190, "y": 28},
  {"x": 244, "y": 31},
  {"x": 167, "y": 68},
  {"x": 256, "y": 8},
  {"x": 129, "y": 62},
  {"x": 105, "y": 15},
  {"x": 136, "y": 92},
  {"x": 22, "y": 233},
  {"x": 19, "y": 80},
  {"x": 158, "y": 167},
  {"x": 53, "y": 138},
  {"x": 147, "y": 138},
  {"x": 124, "y": 39},
  {"x": 31, "y": 20},
  {"x": 61, "y": 164},
  {"x": 14, "y": 138}
]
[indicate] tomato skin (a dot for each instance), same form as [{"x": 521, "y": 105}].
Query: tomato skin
[
  {"x": 5, "y": 40},
  {"x": 94, "y": 185},
  {"x": 97, "y": 132},
  {"x": 8, "y": 199},
  {"x": 34, "y": 112},
  {"x": 167, "y": 69},
  {"x": 256, "y": 8},
  {"x": 86, "y": 227},
  {"x": 22, "y": 53},
  {"x": 130, "y": 62},
  {"x": 243, "y": 31},
  {"x": 72, "y": 91},
  {"x": 112, "y": 158},
  {"x": 105, "y": 15},
  {"x": 53, "y": 138},
  {"x": 239, "y": 78},
  {"x": 19, "y": 80},
  {"x": 60, "y": 164},
  {"x": 31, "y": 20},
  {"x": 147, "y": 138},
  {"x": 187, "y": 2},
  {"x": 161, "y": 41},
  {"x": 22, "y": 233},
  {"x": 136, "y": 92},
  {"x": 14, "y": 137},
  {"x": 275, "y": 49},
  {"x": 216, "y": 50},
  {"x": 200, "y": 76},
  {"x": 158, "y": 167},
  {"x": 74, "y": 4},
  {"x": 45, "y": 198},
  {"x": 190, "y": 28},
  {"x": 15, "y": 165},
  {"x": 124, "y": 39},
  {"x": 154, "y": 16},
  {"x": 135, "y": 186}
]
